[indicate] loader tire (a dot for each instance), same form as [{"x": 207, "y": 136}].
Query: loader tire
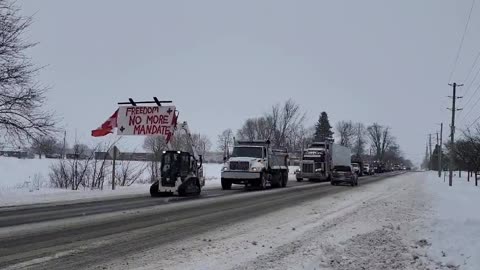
[
  {"x": 154, "y": 190},
  {"x": 284, "y": 179}
]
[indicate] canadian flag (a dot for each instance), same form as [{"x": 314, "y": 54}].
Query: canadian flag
[{"x": 107, "y": 127}]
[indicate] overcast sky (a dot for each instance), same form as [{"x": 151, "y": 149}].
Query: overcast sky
[{"x": 224, "y": 61}]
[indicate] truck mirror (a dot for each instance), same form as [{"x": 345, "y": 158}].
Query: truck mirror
[
  {"x": 224, "y": 159},
  {"x": 201, "y": 160}
]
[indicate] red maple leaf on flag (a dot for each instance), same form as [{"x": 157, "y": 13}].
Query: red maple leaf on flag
[{"x": 107, "y": 127}]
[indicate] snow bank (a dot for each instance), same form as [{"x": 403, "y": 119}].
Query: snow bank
[
  {"x": 26, "y": 181},
  {"x": 455, "y": 225}
]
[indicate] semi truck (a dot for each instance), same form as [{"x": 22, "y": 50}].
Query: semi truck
[
  {"x": 319, "y": 159},
  {"x": 255, "y": 164}
]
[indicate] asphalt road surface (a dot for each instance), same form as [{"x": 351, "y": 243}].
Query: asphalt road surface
[{"x": 88, "y": 234}]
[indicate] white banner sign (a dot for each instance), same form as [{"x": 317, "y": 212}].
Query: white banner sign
[{"x": 146, "y": 120}]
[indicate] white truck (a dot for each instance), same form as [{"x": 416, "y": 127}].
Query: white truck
[
  {"x": 319, "y": 159},
  {"x": 255, "y": 164}
]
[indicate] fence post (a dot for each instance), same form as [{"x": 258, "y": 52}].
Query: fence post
[
  {"x": 476, "y": 178},
  {"x": 468, "y": 176},
  {"x": 459, "y": 173}
]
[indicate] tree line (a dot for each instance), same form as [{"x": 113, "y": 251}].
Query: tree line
[
  {"x": 284, "y": 125},
  {"x": 464, "y": 153}
]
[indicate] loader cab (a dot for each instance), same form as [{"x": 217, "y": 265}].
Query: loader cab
[{"x": 176, "y": 164}]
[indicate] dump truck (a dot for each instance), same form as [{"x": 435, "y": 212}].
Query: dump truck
[{"x": 255, "y": 164}]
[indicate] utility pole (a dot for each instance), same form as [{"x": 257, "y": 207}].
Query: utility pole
[
  {"x": 452, "y": 130},
  {"x": 64, "y": 144},
  {"x": 430, "y": 143},
  {"x": 114, "y": 160},
  {"x": 427, "y": 158},
  {"x": 440, "y": 152},
  {"x": 437, "y": 137}
]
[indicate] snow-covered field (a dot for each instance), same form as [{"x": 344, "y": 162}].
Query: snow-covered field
[
  {"x": 26, "y": 181},
  {"x": 453, "y": 225},
  {"x": 413, "y": 221}
]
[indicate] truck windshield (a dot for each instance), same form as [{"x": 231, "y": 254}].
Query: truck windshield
[{"x": 255, "y": 152}]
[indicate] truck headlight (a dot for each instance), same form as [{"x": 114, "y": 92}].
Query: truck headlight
[
  {"x": 224, "y": 168},
  {"x": 255, "y": 169},
  {"x": 318, "y": 170}
]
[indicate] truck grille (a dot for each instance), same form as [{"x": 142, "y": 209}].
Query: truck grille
[
  {"x": 308, "y": 168},
  {"x": 239, "y": 165}
]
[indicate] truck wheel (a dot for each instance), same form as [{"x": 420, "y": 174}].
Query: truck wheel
[
  {"x": 263, "y": 180},
  {"x": 154, "y": 190},
  {"x": 299, "y": 179},
  {"x": 226, "y": 184},
  {"x": 284, "y": 179}
]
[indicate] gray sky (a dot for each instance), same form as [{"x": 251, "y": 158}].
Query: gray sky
[{"x": 224, "y": 61}]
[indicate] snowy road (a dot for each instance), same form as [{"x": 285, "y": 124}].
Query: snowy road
[
  {"x": 24, "y": 214},
  {"x": 92, "y": 235}
]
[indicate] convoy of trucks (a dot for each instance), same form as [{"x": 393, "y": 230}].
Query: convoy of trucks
[{"x": 254, "y": 164}]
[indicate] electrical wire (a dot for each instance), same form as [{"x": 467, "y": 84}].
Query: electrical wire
[
  {"x": 471, "y": 69},
  {"x": 478, "y": 118},
  {"x": 461, "y": 42},
  {"x": 471, "y": 109}
]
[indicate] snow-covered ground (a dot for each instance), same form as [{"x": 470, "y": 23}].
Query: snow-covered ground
[
  {"x": 413, "y": 221},
  {"x": 26, "y": 181},
  {"x": 453, "y": 225}
]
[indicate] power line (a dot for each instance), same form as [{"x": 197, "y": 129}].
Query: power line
[
  {"x": 461, "y": 42},
  {"x": 471, "y": 109},
  {"x": 478, "y": 118},
  {"x": 472, "y": 67},
  {"x": 471, "y": 83}
]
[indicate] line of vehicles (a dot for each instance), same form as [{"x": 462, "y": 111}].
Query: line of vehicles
[{"x": 256, "y": 165}]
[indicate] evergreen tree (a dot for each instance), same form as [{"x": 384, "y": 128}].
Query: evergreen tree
[
  {"x": 323, "y": 129},
  {"x": 434, "y": 159}
]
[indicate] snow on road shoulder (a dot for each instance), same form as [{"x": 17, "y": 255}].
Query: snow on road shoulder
[
  {"x": 453, "y": 227},
  {"x": 25, "y": 181},
  {"x": 367, "y": 227}
]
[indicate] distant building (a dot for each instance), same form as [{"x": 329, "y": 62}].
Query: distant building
[{"x": 17, "y": 153}]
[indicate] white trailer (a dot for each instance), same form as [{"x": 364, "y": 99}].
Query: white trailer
[{"x": 341, "y": 155}]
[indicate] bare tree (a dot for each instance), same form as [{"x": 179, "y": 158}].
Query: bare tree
[
  {"x": 359, "y": 140},
  {"x": 225, "y": 141},
  {"x": 281, "y": 126},
  {"x": 380, "y": 138},
  {"x": 75, "y": 172},
  {"x": 129, "y": 173},
  {"x": 249, "y": 130},
  {"x": 202, "y": 143},
  {"x": 22, "y": 116},
  {"x": 47, "y": 145},
  {"x": 346, "y": 131}
]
